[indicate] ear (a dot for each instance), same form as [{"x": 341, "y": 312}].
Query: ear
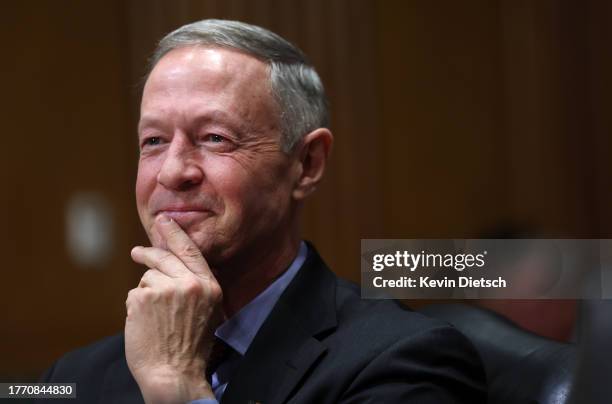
[{"x": 312, "y": 159}]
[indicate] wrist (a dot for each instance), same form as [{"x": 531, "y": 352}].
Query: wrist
[{"x": 168, "y": 387}]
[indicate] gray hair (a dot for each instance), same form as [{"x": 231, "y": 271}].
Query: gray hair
[{"x": 295, "y": 84}]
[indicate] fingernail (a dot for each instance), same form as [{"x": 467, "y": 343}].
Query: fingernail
[{"x": 163, "y": 219}]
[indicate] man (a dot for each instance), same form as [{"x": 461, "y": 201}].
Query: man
[{"x": 235, "y": 307}]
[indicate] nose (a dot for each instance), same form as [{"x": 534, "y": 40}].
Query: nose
[{"x": 180, "y": 169}]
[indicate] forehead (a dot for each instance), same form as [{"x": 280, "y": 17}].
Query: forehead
[
  {"x": 214, "y": 77},
  {"x": 204, "y": 63}
]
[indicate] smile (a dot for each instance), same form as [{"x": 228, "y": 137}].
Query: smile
[{"x": 184, "y": 217}]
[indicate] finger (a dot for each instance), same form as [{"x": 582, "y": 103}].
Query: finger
[
  {"x": 153, "y": 278},
  {"x": 182, "y": 246},
  {"x": 162, "y": 260}
]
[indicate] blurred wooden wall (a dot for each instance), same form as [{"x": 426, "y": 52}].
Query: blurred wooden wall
[
  {"x": 65, "y": 129},
  {"x": 452, "y": 119}
]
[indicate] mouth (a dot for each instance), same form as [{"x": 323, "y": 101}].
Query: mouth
[{"x": 185, "y": 217}]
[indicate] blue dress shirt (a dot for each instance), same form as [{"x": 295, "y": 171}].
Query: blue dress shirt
[{"x": 239, "y": 331}]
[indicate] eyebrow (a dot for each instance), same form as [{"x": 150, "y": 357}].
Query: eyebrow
[
  {"x": 148, "y": 121},
  {"x": 206, "y": 116}
]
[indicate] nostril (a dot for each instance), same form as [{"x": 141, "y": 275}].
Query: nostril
[
  {"x": 181, "y": 168},
  {"x": 179, "y": 173},
  {"x": 187, "y": 185}
]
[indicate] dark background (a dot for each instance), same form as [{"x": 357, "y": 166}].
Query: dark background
[{"x": 451, "y": 119}]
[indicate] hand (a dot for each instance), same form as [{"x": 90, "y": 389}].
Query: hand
[{"x": 171, "y": 318}]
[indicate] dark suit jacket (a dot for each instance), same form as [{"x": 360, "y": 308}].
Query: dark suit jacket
[{"x": 320, "y": 344}]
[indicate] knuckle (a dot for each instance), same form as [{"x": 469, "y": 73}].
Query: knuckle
[
  {"x": 149, "y": 272},
  {"x": 134, "y": 297},
  {"x": 190, "y": 251},
  {"x": 216, "y": 294},
  {"x": 174, "y": 232},
  {"x": 166, "y": 291},
  {"x": 144, "y": 279},
  {"x": 131, "y": 294},
  {"x": 145, "y": 294},
  {"x": 129, "y": 298},
  {"x": 193, "y": 287},
  {"x": 147, "y": 275}
]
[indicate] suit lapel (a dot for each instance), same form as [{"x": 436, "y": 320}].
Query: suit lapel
[
  {"x": 286, "y": 347},
  {"x": 295, "y": 368}
]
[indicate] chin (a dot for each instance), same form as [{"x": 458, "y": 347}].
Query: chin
[{"x": 210, "y": 250}]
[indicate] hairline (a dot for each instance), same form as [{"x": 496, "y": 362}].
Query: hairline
[
  {"x": 293, "y": 82},
  {"x": 157, "y": 57}
]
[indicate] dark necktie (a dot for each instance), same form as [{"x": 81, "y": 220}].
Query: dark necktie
[{"x": 219, "y": 352}]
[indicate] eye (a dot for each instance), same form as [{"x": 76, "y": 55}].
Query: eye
[
  {"x": 216, "y": 138},
  {"x": 151, "y": 141},
  {"x": 218, "y": 143}
]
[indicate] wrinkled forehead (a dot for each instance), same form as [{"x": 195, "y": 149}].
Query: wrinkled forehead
[{"x": 191, "y": 81}]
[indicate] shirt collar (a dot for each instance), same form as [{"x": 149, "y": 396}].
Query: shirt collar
[{"x": 240, "y": 330}]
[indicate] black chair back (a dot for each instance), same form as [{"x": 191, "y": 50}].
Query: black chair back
[{"x": 521, "y": 366}]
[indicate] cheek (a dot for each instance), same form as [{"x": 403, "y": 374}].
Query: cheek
[
  {"x": 235, "y": 186},
  {"x": 230, "y": 186},
  {"x": 258, "y": 193},
  {"x": 146, "y": 179}
]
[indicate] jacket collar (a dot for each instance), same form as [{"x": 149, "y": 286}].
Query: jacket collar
[{"x": 286, "y": 346}]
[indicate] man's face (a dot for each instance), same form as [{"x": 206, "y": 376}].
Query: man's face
[{"x": 210, "y": 156}]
